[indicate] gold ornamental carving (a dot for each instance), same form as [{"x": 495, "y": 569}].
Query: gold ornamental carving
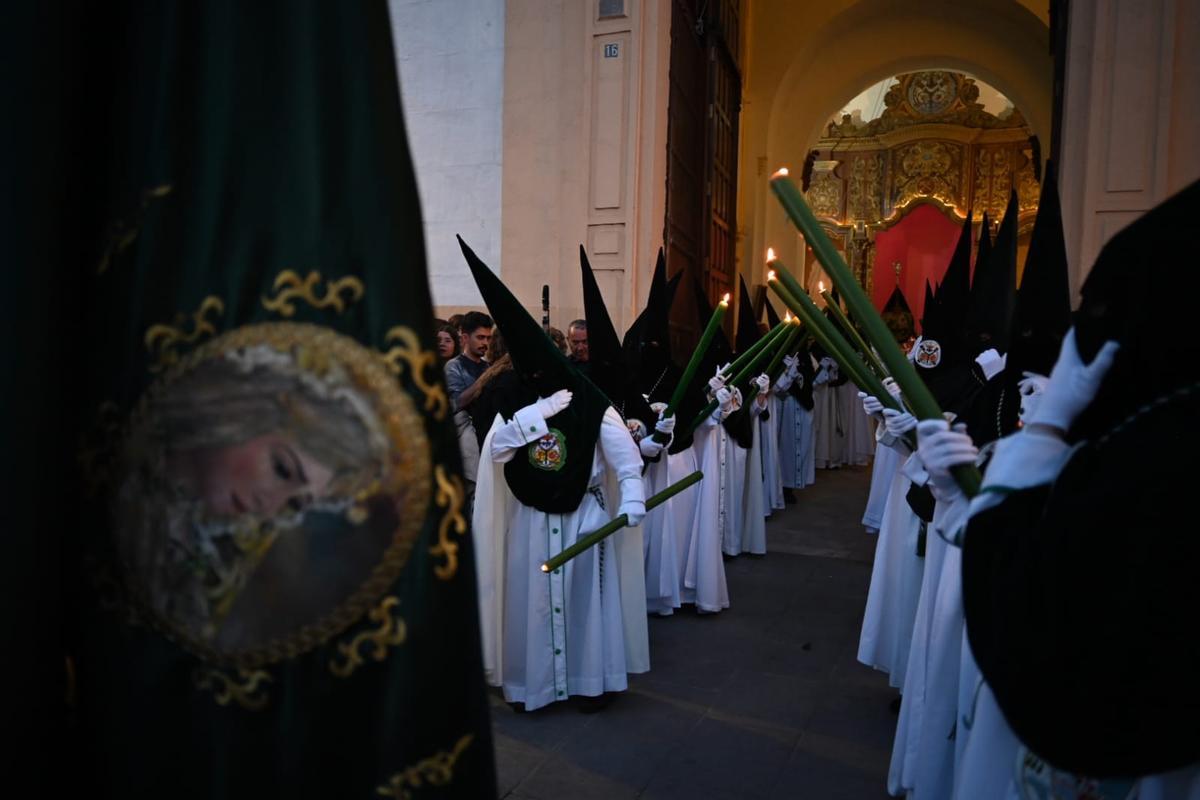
[
  {"x": 927, "y": 169},
  {"x": 247, "y": 689},
  {"x": 290, "y": 287},
  {"x": 391, "y": 633},
  {"x": 450, "y": 496},
  {"x": 993, "y": 181},
  {"x": 437, "y": 770},
  {"x": 825, "y": 195},
  {"x": 162, "y": 340},
  {"x": 864, "y": 193}
]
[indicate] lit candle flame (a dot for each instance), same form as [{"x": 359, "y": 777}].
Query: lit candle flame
[
  {"x": 780, "y": 173},
  {"x": 820, "y": 286},
  {"x": 787, "y": 316},
  {"x": 770, "y": 275},
  {"x": 725, "y": 299},
  {"x": 770, "y": 254}
]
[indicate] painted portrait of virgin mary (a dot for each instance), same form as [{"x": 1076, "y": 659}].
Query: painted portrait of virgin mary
[{"x": 260, "y": 492}]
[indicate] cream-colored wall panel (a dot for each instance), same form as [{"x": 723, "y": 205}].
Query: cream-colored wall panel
[
  {"x": 1128, "y": 101},
  {"x": 606, "y": 240},
  {"x": 609, "y": 120}
]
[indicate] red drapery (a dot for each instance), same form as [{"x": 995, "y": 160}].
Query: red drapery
[{"x": 922, "y": 242}]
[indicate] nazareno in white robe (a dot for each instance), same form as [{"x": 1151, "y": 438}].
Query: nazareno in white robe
[
  {"x": 770, "y": 435},
  {"x": 751, "y": 535},
  {"x": 664, "y": 558},
  {"x": 883, "y": 470},
  {"x": 796, "y": 465},
  {"x": 987, "y": 751},
  {"x": 858, "y": 426},
  {"x": 578, "y": 631},
  {"x": 704, "y": 568},
  {"x": 895, "y": 578},
  {"x": 829, "y": 428}
]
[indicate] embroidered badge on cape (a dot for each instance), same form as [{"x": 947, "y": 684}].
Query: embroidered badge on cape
[
  {"x": 1040, "y": 781},
  {"x": 929, "y": 354},
  {"x": 549, "y": 453}
]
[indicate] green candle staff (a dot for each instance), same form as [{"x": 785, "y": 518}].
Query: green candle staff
[
  {"x": 916, "y": 393},
  {"x": 775, "y": 337},
  {"x": 855, "y": 337},
  {"x": 617, "y": 523},
  {"x": 789, "y": 346},
  {"x": 710, "y": 330}
]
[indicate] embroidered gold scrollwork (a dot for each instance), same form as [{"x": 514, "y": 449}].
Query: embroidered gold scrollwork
[
  {"x": 161, "y": 340},
  {"x": 390, "y": 633},
  {"x": 409, "y": 351},
  {"x": 246, "y": 690},
  {"x": 122, "y": 234},
  {"x": 289, "y": 287},
  {"x": 450, "y": 497},
  {"x": 437, "y": 770}
]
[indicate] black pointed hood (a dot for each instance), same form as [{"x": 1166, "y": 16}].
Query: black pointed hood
[
  {"x": 898, "y": 316},
  {"x": 994, "y": 290},
  {"x": 1043, "y": 311},
  {"x": 929, "y": 311},
  {"x": 941, "y": 358},
  {"x": 646, "y": 345},
  {"x": 772, "y": 316},
  {"x": 748, "y": 332},
  {"x": 606, "y": 357},
  {"x": 554, "y": 488}
]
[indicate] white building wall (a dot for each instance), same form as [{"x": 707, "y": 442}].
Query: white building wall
[{"x": 450, "y": 55}]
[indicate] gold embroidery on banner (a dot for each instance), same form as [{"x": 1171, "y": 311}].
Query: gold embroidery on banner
[
  {"x": 247, "y": 690},
  {"x": 289, "y": 286},
  {"x": 450, "y": 496},
  {"x": 161, "y": 340},
  {"x": 409, "y": 350},
  {"x": 391, "y": 633},
  {"x": 122, "y": 235},
  {"x": 410, "y": 476},
  {"x": 437, "y": 770}
]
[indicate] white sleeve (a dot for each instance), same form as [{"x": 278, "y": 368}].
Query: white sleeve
[
  {"x": 914, "y": 470},
  {"x": 783, "y": 383},
  {"x": 1023, "y": 460},
  {"x": 622, "y": 456},
  {"x": 526, "y": 427}
]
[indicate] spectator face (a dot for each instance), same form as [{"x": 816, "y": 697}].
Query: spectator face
[
  {"x": 578, "y": 340},
  {"x": 476, "y": 343},
  {"x": 445, "y": 344}
]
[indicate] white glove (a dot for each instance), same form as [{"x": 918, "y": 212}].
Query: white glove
[
  {"x": 665, "y": 426},
  {"x": 634, "y": 510},
  {"x": 871, "y": 404},
  {"x": 549, "y": 406},
  {"x": 784, "y": 382},
  {"x": 892, "y": 387},
  {"x": 1072, "y": 384},
  {"x": 763, "y": 383},
  {"x": 898, "y": 422},
  {"x": 650, "y": 447},
  {"x": 1031, "y": 387},
  {"x": 716, "y": 382},
  {"x": 942, "y": 448},
  {"x": 792, "y": 361},
  {"x": 991, "y": 362}
]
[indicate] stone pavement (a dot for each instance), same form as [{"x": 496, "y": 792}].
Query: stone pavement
[{"x": 764, "y": 700}]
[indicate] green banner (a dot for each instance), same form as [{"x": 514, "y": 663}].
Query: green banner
[{"x": 279, "y": 594}]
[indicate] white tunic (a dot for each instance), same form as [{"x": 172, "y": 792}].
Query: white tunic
[
  {"x": 752, "y": 531},
  {"x": 924, "y": 750},
  {"x": 858, "y": 425},
  {"x": 829, "y": 427},
  {"x": 796, "y": 464},
  {"x": 663, "y": 562},
  {"x": 770, "y": 437},
  {"x": 895, "y": 583},
  {"x": 883, "y": 470},
  {"x": 548, "y": 636},
  {"x": 704, "y": 569}
]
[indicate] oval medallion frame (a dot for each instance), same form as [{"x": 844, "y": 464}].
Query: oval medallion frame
[{"x": 383, "y": 500}]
